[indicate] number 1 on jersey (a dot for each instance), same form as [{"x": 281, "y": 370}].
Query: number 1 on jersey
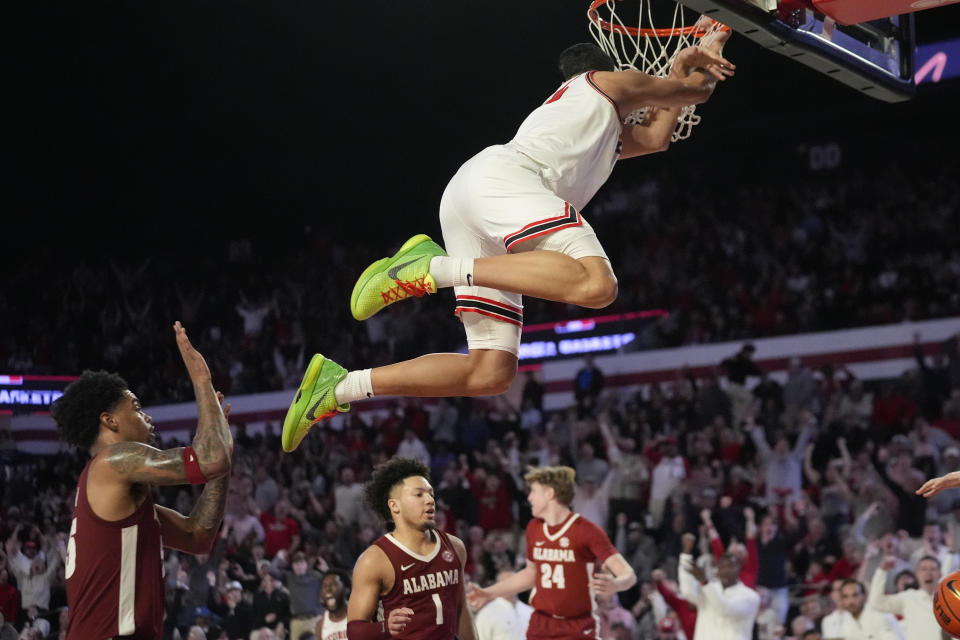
[
  {"x": 439, "y": 605},
  {"x": 551, "y": 576}
]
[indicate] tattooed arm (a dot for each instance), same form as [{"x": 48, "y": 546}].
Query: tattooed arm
[
  {"x": 196, "y": 533},
  {"x": 124, "y": 465}
]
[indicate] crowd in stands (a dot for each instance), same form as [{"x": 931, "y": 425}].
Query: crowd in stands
[
  {"x": 876, "y": 244},
  {"x": 810, "y": 482}
]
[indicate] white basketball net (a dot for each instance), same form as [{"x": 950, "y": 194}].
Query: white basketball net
[{"x": 647, "y": 52}]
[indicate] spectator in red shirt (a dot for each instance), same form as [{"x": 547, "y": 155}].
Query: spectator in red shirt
[
  {"x": 747, "y": 553},
  {"x": 282, "y": 531},
  {"x": 9, "y": 596},
  {"x": 493, "y": 501},
  {"x": 686, "y": 612},
  {"x": 892, "y": 410}
]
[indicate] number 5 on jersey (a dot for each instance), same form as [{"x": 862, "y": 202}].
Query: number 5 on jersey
[{"x": 551, "y": 576}]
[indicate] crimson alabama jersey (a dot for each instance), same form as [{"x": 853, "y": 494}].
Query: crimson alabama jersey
[
  {"x": 431, "y": 585},
  {"x": 566, "y": 556},
  {"x": 575, "y": 137},
  {"x": 114, "y": 573}
]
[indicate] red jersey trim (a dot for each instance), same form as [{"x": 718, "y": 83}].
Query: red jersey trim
[
  {"x": 569, "y": 218},
  {"x": 508, "y": 307},
  {"x": 593, "y": 83}
]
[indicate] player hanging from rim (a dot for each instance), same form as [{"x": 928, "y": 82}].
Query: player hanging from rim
[
  {"x": 114, "y": 567},
  {"x": 511, "y": 222},
  {"x": 334, "y": 592},
  {"x": 409, "y": 583},
  {"x": 570, "y": 561}
]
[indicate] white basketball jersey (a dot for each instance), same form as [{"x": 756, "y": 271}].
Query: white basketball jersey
[
  {"x": 575, "y": 136},
  {"x": 333, "y": 630}
]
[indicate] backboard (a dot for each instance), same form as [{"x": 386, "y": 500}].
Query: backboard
[{"x": 873, "y": 55}]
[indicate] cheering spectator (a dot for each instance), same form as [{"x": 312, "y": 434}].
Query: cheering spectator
[
  {"x": 739, "y": 367},
  {"x": 726, "y": 608}
]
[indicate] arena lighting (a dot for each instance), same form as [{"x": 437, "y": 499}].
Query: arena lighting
[
  {"x": 539, "y": 349},
  {"x": 589, "y": 324}
]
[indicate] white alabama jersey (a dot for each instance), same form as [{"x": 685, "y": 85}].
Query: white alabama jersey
[
  {"x": 575, "y": 136},
  {"x": 333, "y": 630}
]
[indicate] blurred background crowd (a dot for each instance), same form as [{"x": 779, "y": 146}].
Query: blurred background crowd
[
  {"x": 811, "y": 480},
  {"x": 816, "y": 477},
  {"x": 876, "y": 243}
]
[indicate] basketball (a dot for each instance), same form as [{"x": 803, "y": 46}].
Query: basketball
[{"x": 946, "y": 604}]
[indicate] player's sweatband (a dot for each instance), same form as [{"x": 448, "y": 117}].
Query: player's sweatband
[
  {"x": 192, "y": 466},
  {"x": 360, "y": 630}
]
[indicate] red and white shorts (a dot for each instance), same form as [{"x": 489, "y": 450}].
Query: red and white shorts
[
  {"x": 496, "y": 204},
  {"x": 543, "y": 626}
]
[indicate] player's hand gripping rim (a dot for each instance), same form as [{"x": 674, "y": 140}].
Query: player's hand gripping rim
[{"x": 700, "y": 58}]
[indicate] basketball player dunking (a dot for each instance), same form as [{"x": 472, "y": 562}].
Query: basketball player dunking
[
  {"x": 114, "y": 567},
  {"x": 334, "y": 592},
  {"x": 512, "y": 224},
  {"x": 409, "y": 583},
  {"x": 570, "y": 561}
]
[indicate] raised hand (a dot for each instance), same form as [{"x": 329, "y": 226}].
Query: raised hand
[
  {"x": 696, "y": 572},
  {"x": 196, "y": 365}
]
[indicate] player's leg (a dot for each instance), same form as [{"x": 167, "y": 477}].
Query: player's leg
[
  {"x": 488, "y": 369},
  {"x": 481, "y": 372},
  {"x": 501, "y": 201},
  {"x": 547, "y": 274}
]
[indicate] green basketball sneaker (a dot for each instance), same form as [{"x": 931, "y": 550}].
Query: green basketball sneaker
[
  {"x": 314, "y": 401},
  {"x": 405, "y": 274}
]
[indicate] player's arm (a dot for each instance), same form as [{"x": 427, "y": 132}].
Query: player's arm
[
  {"x": 934, "y": 486},
  {"x": 206, "y": 459},
  {"x": 466, "y": 629},
  {"x": 197, "y": 532},
  {"x": 877, "y": 597},
  {"x": 370, "y": 574},
  {"x": 692, "y": 80},
  {"x": 521, "y": 581},
  {"x": 620, "y": 577},
  {"x": 687, "y": 81}
]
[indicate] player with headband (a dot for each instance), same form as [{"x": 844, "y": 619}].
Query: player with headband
[{"x": 114, "y": 565}]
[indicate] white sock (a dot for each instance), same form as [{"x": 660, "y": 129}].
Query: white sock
[
  {"x": 452, "y": 272},
  {"x": 356, "y": 386}
]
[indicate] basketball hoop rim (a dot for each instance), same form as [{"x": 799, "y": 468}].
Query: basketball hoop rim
[{"x": 606, "y": 25}]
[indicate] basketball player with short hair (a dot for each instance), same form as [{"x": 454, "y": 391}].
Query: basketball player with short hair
[
  {"x": 410, "y": 582},
  {"x": 570, "y": 561},
  {"x": 512, "y": 224},
  {"x": 334, "y": 591},
  {"x": 114, "y": 566}
]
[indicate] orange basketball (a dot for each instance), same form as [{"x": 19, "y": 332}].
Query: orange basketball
[{"x": 946, "y": 604}]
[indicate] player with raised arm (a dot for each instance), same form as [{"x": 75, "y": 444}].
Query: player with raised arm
[
  {"x": 114, "y": 566},
  {"x": 409, "y": 583},
  {"x": 512, "y": 224},
  {"x": 570, "y": 561}
]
